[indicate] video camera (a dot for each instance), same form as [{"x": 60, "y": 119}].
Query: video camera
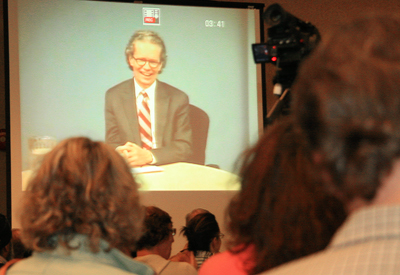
[
  {"x": 289, "y": 38},
  {"x": 289, "y": 41}
]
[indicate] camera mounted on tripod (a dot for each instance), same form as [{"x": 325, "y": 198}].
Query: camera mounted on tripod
[{"x": 289, "y": 41}]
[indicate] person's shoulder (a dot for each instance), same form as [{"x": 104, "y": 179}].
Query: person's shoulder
[
  {"x": 120, "y": 86},
  {"x": 182, "y": 268},
  {"x": 182, "y": 256},
  {"x": 184, "y": 265},
  {"x": 53, "y": 263},
  {"x": 25, "y": 266},
  {"x": 165, "y": 87},
  {"x": 322, "y": 261},
  {"x": 226, "y": 255},
  {"x": 224, "y": 262}
]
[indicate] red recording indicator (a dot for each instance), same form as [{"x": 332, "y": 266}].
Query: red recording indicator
[
  {"x": 273, "y": 58},
  {"x": 149, "y": 19}
]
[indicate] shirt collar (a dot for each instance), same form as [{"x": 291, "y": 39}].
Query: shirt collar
[
  {"x": 81, "y": 252},
  {"x": 368, "y": 223},
  {"x": 150, "y": 91}
]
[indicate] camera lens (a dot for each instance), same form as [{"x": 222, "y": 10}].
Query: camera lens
[{"x": 275, "y": 16}]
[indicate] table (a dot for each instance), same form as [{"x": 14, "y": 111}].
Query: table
[
  {"x": 178, "y": 176},
  {"x": 187, "y": 176}
]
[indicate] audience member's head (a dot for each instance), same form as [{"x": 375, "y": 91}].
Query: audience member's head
[
  {"x": 193, "y": 213},
  {"x": 158, "y": 233},
  {"x": 187, "y": 255},
  {"x": 82, "y": 187},
  {"x": 202, "y": 233},
  {"x": 279, "y": 189},
  {"x": 5, "y": 237},
  {"x": 347, "y": 100}
]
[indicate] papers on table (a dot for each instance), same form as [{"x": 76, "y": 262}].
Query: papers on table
[{"x": 147, "y": 169}]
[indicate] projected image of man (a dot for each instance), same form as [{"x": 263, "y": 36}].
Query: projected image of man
[{"x": 147, "y": 120}]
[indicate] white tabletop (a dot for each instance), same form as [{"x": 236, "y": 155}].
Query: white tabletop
[
  {"x": 178, "y": 176},
  {"x": 188, "y": 176}
]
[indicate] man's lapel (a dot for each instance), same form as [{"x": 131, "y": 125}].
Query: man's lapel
[
  {"x": 161, "y": 106},
  {"x": 129, "y": 105}
]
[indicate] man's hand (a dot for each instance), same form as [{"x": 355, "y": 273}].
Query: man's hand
[{"x": 135, "y": 155}]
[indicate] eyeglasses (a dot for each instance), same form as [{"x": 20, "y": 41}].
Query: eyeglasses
[
  {"x": 173, "y": 231},
  {"x": 142, "y": 62},
  {"x": 221, "y": 236}
]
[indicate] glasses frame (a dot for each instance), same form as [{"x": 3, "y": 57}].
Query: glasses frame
[
  {"x": 142, "y": 62},
  {"x": 173, "y": 231}
]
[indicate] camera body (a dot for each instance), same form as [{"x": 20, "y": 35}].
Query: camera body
[
  {"x": 282, "y": 48},
  {"x": 289, "y": 39}
]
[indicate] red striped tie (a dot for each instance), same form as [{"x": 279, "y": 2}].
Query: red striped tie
[{"x": 145, "y": 122}]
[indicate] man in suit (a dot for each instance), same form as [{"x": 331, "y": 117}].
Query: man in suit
[{"x": 161, "y": 134}]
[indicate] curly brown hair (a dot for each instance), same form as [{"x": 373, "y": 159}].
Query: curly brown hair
[{"x": 81, "y": 187}]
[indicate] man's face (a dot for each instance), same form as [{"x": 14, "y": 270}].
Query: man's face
[{"x": 149, "y": 54}]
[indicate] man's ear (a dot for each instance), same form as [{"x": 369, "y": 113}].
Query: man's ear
[{"x": 131, "y": 60}]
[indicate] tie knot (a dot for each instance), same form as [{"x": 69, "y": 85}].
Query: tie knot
[{"x": 145, "y": 95}]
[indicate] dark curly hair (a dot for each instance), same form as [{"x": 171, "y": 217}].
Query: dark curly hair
[
  {"x": 81, "y": 187},
  {"x": 156, "y": 228}
]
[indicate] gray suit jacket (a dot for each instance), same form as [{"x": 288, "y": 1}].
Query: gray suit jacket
[{"x": 172, "y": 122}]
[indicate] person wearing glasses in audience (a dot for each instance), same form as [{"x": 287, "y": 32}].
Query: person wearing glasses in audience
[
  {"x": 154, "y": 247},
  {"x": 204, "y": 237},
  {"x": 147, "y": 120},
  {"x": 185, "y": 255}
]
